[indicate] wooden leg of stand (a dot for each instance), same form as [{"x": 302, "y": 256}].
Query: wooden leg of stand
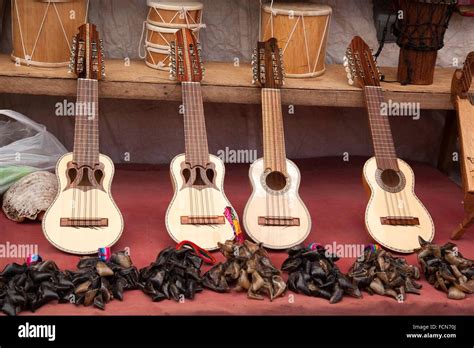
[
  {"x": 463, "y": 226},
  {"x": 448, "y": 144}
]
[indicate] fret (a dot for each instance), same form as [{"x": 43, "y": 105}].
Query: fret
[
  {"x": 195, "y": 135},
  {"x": 382, "y": 138},
  {"x": 274, "y": 153},
  {"x": 86, "y": 136}
]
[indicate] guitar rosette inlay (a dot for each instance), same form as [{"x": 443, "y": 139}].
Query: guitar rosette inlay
[
  {"x": 390, "y": 180},
  {"x": 275, "y": 183}
]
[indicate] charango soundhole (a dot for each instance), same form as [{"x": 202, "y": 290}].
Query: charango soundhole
[
  {"x": 391, "y": 180},
  {"x": 276, "y": 181}
]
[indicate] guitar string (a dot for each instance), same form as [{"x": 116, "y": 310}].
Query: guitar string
[
  {"x": 96, "y": 108},
  {"x": 89, "y": 153},
  {"x": 188, "y": 127},
  {"x": 200, "y": 148},
  {"x": 274, "y": 153},
  {"x": 204, "y": 153},
  {"x": 194, "y": 146},
  {"x": 96, "y": 146},
  {"x": 281, "y": 152},
  {"x": 76, "y": 137},
  {"x": 199, "y": 113},
  {"x": 401, "y": 197},
  {"x": 204, "y": 199},
  {"x": 187, "y": 161},
  {"x": 377, "y": 134},
  {"x": 387, "y": 150},
  {"x": 285, "y": 196},
  {"x": 266, "y": 148},
  {"x": 188, "y": 113},
  {"x": 85, "y": 191},
  {"x": 278, "y": 152},
  {"x": 273, "y": 149}
]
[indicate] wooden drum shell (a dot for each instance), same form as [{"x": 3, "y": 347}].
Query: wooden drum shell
[
  {"x": 420, "y": 35},
  {"x": 416, "y": 67},
  {"x": 46, "y": 45},
  {"x": 159, "y": 37},
  {"x": 157, "y": 58},
  {"x": 175, "y": 15},
  {"x": 297, "y": 26}
]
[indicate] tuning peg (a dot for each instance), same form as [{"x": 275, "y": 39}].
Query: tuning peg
[
  {"x": 72, "y": 59},
  {"x": 350, "y": 81},
  {"x": 345, "y": 61},
  {"x": 173, "y": 74},
  {"x": 254, "y": 57}
]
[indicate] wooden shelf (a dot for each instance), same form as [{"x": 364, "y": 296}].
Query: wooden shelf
[{"x": 223, "y": 83}]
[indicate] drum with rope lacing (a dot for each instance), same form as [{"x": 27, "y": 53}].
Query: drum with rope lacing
[
  {"x": 420, "y": 27},
  {"x": 43, "y": 30},
  {"x": 302, "y": 33}
]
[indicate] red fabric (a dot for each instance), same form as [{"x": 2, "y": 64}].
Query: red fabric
[{"x": 336, "y": 199}]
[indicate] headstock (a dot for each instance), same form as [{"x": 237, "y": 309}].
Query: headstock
[
  {"x": 186, "y": 60},
  {"x": 360, "y": 64},
  {"x": 462, "y": 78},
  {"x": 267, "y": 63},
  {"x": 87, "y": 54}
]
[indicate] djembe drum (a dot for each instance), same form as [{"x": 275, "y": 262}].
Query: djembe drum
[
  {"x": 302, "y": 31},
  {"x": 420, "y": 29},
  {"x": 42, "y": 30},
  {"x": 164, "y": 19}
]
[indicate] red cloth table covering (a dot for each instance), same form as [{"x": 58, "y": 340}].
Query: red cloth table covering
[{"x": 336, "y": 199}]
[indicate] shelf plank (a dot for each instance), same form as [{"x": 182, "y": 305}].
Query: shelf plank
[{"x": 223, "y": 83}]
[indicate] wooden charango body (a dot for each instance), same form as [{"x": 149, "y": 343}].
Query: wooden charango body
[
  {"x": 99, "y": 203},
  {"x": 285, "y": 203},
  {"x": 394, "y": 217},
  {"x": 274, "y": 215},
  {"x": 197, "y": 212},
  {"x": 382, "y": 204},
  {"x": 84, "y": 216},
  {"x": 191, "y": 201}
]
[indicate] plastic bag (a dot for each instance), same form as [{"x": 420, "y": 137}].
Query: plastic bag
[{"x": 25, "y": 147}]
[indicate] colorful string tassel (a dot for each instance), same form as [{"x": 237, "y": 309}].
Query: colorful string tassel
[
  {"x": 32, "y": 259},
  {"x": 230, "y": 215},
  {"x": 104, "y": 254}
]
